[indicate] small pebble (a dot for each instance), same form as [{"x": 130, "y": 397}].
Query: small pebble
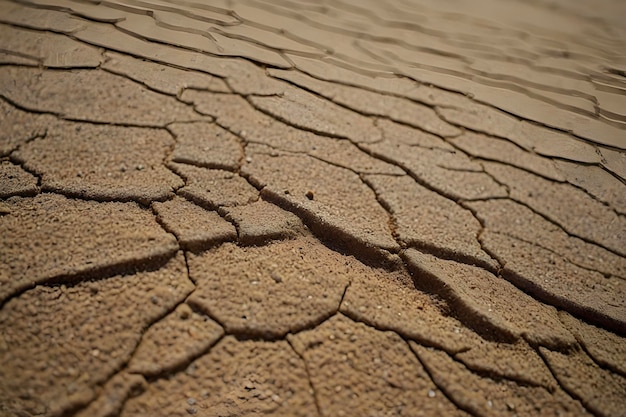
[
  {"x": 191, "y": 369},
  {"x": 184, "y": 312}
]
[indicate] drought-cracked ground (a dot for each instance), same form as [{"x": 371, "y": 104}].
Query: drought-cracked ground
[{"x": 293, "y": 207}]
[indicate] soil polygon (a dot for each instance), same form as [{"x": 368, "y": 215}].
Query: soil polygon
[
  {"x": 50, "y": 236},
  {"x": 194, "y": 227},
  {"x": 213, "y": 188},
  {"x": 260, "y": 222},
  {"x": 15, "y": 181},
  {"x": 234, "y": 378},
  {"x": 379, "y": 374},
  {"x": 105, "y": 162},
  {"x": 56, "y": 365},
  {"x": 284, "y": 287}
]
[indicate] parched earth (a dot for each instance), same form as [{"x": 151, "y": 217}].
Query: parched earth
[{"x": 292, "y": 207}]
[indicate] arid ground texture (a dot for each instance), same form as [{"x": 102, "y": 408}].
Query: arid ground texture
[{"x": 312, "y": 208}]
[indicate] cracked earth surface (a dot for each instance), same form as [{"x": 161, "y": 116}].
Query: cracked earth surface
[{"x": 335, "y": 208}]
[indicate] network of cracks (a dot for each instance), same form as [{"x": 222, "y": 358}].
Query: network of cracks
[{"x": 203, "y": 214}]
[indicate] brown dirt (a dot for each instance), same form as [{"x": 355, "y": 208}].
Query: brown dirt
[{"x": 345, "y": 208}]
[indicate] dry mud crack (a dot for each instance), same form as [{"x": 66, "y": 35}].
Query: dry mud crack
[{"x": 336, "y": 208}]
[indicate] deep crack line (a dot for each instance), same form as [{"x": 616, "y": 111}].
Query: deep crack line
[
  {"x": 308, "y": 373},
  {"x": 365, "y": 113},
  {"x": 438, "y": 383},
  {"x": 564, "y": 229},
  {"x": 572, "y": 261}
]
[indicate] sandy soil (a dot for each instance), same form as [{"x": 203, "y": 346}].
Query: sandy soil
[{"x": 335, "y": 208}]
